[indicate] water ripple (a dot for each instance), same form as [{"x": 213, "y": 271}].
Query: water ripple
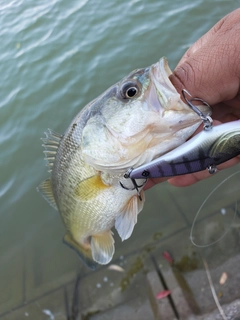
[
  {"x": 73, "y": 9},
  {"x": 6, "y": 187}
]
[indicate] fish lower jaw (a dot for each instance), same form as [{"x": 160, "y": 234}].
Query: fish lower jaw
[{"x": 183, "y": 124}]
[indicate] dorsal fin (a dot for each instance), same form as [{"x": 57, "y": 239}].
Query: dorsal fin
[
  {"x": 46, "y": 190},
  {"x": 51, "y": 143}
]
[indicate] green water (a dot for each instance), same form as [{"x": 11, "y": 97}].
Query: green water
[{"x": 55, "y": 57}]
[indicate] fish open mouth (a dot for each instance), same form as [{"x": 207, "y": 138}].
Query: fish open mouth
[
  {"x": 166, "y": 92},
  {"x": 159, "y": 74}
]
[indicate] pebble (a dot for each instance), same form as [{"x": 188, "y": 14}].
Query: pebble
[{"x": 223, "y": 211}]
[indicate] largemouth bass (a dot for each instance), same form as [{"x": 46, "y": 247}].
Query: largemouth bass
[{"x": 134, "y": 121}]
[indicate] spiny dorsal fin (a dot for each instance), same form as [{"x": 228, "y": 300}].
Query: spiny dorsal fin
[
  {"x": 46, "y": 190},
  {"x": 51, "y": 144}
]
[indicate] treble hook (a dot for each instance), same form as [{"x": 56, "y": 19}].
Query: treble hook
[
  {"x": 135, "y": 187},
  {"x": 207, "y": 120}
]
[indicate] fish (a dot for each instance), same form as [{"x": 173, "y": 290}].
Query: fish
[{"x": 133, "y": 122}]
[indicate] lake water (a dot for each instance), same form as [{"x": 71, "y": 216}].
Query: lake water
[{"x": 55, "y": 57}]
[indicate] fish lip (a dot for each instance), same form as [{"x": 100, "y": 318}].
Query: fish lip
[
  {"x": 160, "y": 73},
  {"x": 167, "y": 94}
]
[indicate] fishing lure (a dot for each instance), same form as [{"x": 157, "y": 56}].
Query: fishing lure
[{"x": 209, "y": 148}]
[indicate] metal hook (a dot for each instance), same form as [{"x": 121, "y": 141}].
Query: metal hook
[
  {"x": 207, "y": 120},
  {"x": 135, "y": 187},
  {"x": 212, "y": 169},
  {"x": 127, "y": 173}
]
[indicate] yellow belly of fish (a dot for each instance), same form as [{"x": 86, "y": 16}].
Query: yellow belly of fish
[{"x": 97, "y": 208}]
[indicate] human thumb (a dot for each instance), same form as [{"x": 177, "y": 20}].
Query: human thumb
[{"x": 210, "y": 68}]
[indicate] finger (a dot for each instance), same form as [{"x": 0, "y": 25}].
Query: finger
[
  {"x": 210, "y": 69},
  {"x": 153, "y": 181}
]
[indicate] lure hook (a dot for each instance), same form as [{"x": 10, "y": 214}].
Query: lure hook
[
  {"x": 212, "y": 169},
  {"x": 207, "y": 120},
  {"x": 135, "y": 187}
]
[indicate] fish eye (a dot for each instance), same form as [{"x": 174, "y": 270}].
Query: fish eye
[{"x": 129, "y": 90}]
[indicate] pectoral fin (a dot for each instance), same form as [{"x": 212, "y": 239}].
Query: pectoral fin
[
  {"x": 126, "y": 221},
  {"x": 83, "y": 251},
  {"x": 102, "y": 246},
  {"x": 90, "y": 188}
]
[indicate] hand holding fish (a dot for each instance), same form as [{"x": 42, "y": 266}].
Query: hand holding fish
[{"x": 210, "y": 69}]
